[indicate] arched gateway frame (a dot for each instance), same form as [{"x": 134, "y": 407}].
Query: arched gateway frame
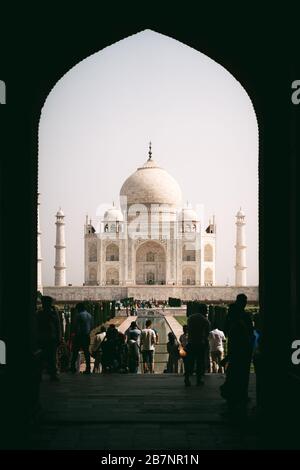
[
  {"x": 150, "y": 263},
  {"x": 244, "y": 66},
  {"x": 157, "y": 274}
]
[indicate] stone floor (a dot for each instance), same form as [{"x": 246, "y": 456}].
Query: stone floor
[{"x": 131, "y": 412}]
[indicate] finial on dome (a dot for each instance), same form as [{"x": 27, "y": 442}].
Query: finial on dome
[
  {"x": 60, "y": 213},
  {"x": 150, "y": 151},
  {"x": 240, "y": 213}
]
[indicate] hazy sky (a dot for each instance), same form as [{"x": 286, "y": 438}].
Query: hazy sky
[{"x": 94, "y": 132}]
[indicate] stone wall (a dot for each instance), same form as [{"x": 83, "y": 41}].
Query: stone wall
[{"x": 216, "y": 293}]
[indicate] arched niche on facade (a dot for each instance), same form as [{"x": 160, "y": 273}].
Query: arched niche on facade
[
  {"x": 112, "y": 252},
  {"x": 208, "y": 252},
  {"x": 93, "y": 252},
  {"x": 150, "y": 263},
  {"x": 112, "y": 276},
  {"x": 188, "y": 276},
  {"x": 208, "y": 277},
  {"x": 92, "y": 275},
  {"x": 188, "y": 252}
]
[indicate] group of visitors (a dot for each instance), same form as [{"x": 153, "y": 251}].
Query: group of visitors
[
  {"x": 132, "y": 308},
  {"x": 111, "y": 350},
  {"x": 114, "y": 351},
  {"x": 198, "y": 346},
  {"x": 243, "y": 345},
  {"x": 51, "y": 343}
]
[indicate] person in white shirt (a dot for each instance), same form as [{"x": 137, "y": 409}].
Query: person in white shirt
[
  {"x": 216, "y": 338},
  {"x": 148, "y": 340}
]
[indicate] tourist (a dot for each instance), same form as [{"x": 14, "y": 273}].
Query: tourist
[
  {"x": 156, "y": 335},
  {"x": 72, "y": 340},
  {"x": 216, "y": 338},
  {"x": 49, "y": 335},
  {"x": 198, "y": 331},
  {"x": 132, "y": 310},
  {"x": 207, "y": 349},
  {"x": 240, "y": 348},
  {"x": 257, "y": 359},
  {"x": 148, "y": 340},
  {"x": 241, "y": 302},
  {"x": 95, "y": 349},
  {"x": 122, "y": 353},
  {"x": 133, "y": 339},
  {"x": 183, "y": 340},
  {"x": 172, "y": 348},
  {"x": 134, "y": 328},
  {"x": 63, "y": 357},
  {"x": 229, "y": 318},
  {"x": 109, "y": 359},
  {"x": 83, "y": 325}
]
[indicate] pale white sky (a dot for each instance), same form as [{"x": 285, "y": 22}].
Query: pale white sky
[{"x": 94, "y": 132}]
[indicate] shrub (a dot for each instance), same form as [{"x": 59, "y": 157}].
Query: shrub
[{"x": 173, "y": 302}]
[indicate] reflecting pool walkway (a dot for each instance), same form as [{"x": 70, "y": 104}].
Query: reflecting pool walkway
[{"x": 124, "y": 411}]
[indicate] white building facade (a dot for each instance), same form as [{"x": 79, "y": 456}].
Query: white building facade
[{"x": 152, "y": 239}]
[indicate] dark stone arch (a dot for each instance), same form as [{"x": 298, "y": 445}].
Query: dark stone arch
[{"x": 263, "y": 72}]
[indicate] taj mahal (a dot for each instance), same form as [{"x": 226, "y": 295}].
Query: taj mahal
[{"x": 150, "y": 246}]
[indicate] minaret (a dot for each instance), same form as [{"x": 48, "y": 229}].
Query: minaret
[
  {"x": 240, "y": 250},
  {"x": 60, "y": 250},
  {"x": 39, "y": 252}
]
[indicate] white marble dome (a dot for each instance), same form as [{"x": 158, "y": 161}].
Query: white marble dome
[
  {"x": 113, "y": 215},
  {"x": 151, "y": 184}
]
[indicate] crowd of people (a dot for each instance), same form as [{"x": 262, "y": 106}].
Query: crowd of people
[
  {"x": 111, "y": 350},
  {"x": 132, "y": 308},
  {"x": 243, "y": 337},
  {"x": 198, "y": 350}
]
